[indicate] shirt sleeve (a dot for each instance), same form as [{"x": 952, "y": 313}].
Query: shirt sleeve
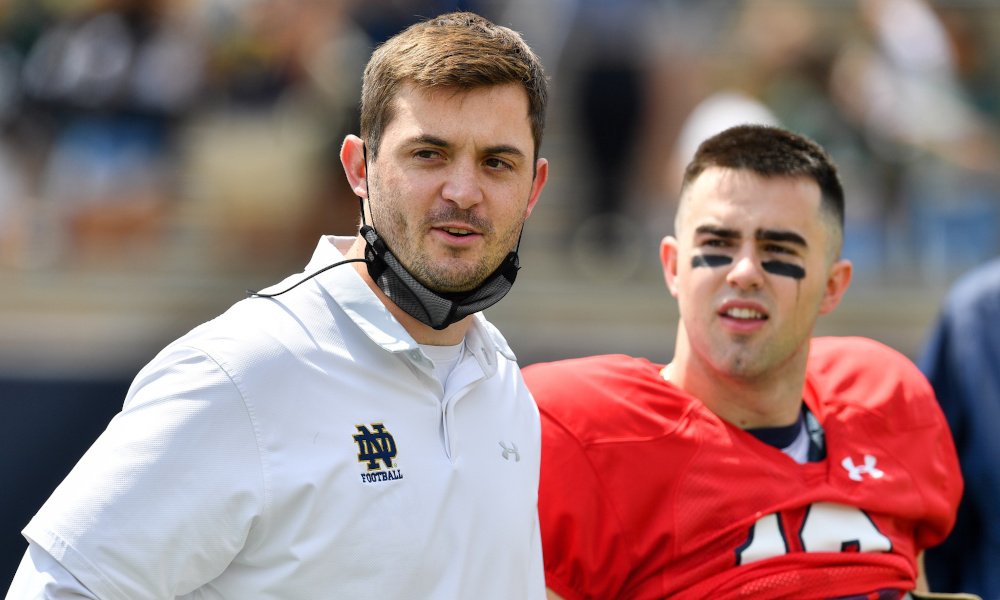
[
  {"x": 952, "y": 355},
  {"x": 583, "y": 541},
  {"x": 40, "y": 577},
  {"x": 166, "y": 496},
  {"x": 938, "y": 362}
]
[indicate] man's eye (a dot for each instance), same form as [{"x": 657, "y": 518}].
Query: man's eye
[
  {"x": 715, "y": 243},
  {"x": 496, "y": 163},
  {"x": 426, "y": 154}
]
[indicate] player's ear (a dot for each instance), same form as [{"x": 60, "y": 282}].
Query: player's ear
[
  {"x": 836, "y": 284},
  {"x": 352, "y": 155},
  {"x": 668, "y": 257}
]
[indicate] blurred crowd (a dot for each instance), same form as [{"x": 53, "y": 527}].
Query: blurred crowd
[
  {"x": 202, "y": 137},
  {"x": 203, "y": 134}
]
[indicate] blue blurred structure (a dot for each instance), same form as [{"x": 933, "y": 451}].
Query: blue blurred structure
[
  {"x": 46, "y": 426},
  {"x": 962, "y": 362}
]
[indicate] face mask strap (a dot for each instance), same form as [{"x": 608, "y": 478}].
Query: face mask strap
[{"x": 361, "y": 201}]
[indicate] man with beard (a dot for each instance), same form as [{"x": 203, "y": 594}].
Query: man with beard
[{"x": 359, "y": 430}]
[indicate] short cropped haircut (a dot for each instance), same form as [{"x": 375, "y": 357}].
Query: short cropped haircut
[
  {"x": 771, "y": 152},
  {"x": 458, "y": 50}
]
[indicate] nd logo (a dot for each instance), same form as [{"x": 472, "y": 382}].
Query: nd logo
[{"x": 375, "y": 446}]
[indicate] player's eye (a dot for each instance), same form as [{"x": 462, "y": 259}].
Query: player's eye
[{"x": 776, "y": 249}]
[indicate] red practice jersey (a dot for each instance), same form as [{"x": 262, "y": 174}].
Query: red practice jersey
[{"x": 646, "y": 494}]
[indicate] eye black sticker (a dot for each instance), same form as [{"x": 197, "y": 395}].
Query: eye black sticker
[
  {"x": 777, "y": 267},
  {"x": 710, "y": 260},
  {"x": 774, "y": 267}
]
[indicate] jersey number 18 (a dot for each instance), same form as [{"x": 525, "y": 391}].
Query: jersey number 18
[{"x": 826, "y": 527}]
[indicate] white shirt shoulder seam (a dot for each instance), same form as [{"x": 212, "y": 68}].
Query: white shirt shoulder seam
[{"x": 266, "y": 492}]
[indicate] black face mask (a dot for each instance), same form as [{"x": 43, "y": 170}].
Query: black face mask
[{"x": 434, "y": 309}]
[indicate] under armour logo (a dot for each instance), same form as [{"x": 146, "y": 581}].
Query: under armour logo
[
  {"x": 374, "y": 447},
  {"x": 507, "y": 451},
  {"x": 856, "y": 471}
]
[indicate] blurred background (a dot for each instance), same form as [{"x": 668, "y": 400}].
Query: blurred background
[{"x": 159, "y": 157}]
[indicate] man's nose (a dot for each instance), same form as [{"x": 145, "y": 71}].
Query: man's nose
[
  {"x": 462, "y": 186},
  {"x": 746, "y": 273}
]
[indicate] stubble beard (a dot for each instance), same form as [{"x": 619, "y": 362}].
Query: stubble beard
[
  {"x": 457, "y": 271},
  {"x": 745, "y": 361},
  {"x": 754, "y": 361}
]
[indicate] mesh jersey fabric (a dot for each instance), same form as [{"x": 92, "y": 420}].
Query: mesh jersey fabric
[{"x": 645, "y": 494}]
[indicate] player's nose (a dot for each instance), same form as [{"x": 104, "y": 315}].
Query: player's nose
[{"x": 746, "y": 273}]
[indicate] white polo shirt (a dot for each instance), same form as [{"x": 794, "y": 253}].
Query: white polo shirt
[{"x": 299, "y": 448}]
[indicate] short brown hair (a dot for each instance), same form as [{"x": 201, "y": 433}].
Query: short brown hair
[
  {"x": 459, "y": 50},
  {"x": 771, "y": 152}
]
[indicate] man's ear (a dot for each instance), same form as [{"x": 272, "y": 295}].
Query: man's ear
[
  {"x": 668, "y": 257},
  {"x": 836, "y": 284},
  {"x": 541, "y": 176},
  {"x": 352, "y": 155}
]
